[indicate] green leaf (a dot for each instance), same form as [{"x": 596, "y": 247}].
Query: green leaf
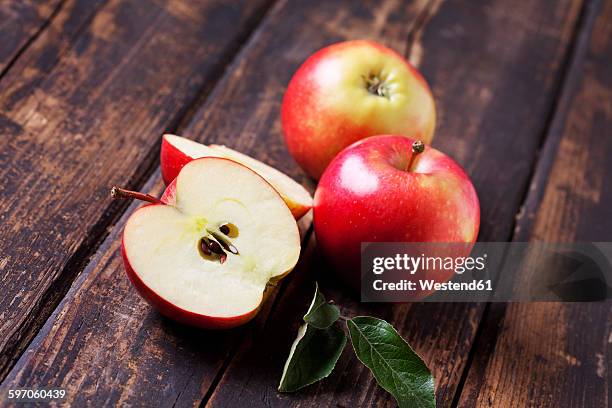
[
  {"x": 396, "y": 367},
  {"x": 320, "y": 313},
  {"x": 313, "y": 356}
]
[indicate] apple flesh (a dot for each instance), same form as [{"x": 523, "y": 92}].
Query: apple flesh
[
  {"x": 348, "y": 91},
  {"x": 205, "y": 254},
  {"x": 379, "y": 190},
  {"x": 177, "y": 151}
]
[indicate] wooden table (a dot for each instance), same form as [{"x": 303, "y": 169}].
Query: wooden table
[{"x": 524, "y": 97}]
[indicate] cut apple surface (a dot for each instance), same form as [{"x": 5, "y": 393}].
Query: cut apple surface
[
  {"x": 206, "y": 257},
  {"x": 177, "y": 151}
]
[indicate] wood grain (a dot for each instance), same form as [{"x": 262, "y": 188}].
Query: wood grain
[
  {"x": 492, "y": 101},
  {"x": 144, "y": 357},
  {"x": 81, "y": 110},
  {"x": 559, "y": 354},
  {"x": 107, "y": 347},
  {"x": 20, "y": 22},
  {"x": 486, "y": 123}
]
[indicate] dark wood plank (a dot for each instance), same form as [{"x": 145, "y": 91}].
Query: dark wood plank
[
  {"x": 559, "y": 354},
  {"x": 495, "y": 83},
  {"x": 109, "y": 348},
  {"x": 159, "y": 361},
  {"x": 80, "y": 110},
  {"x": 252, "y": 92},
  {"x": 20, "y": 22},
  {"x": 243, "y": 112},
  {"x": 43, "y": 51}
]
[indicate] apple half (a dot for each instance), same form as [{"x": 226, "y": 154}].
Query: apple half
[
  {"x": 204, "y": 255},
  {"x": 177, "y": 151}
]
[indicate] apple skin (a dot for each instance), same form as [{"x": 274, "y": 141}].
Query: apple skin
[
  {"x": 169, "y": 194},
  {"x": 179, "y": 314},
  {"x": 172, "y": 161},
  {"x": 327, "y": 105},
  {"x": 366, "y": 195},
  {"x": 175, "y": 312}
]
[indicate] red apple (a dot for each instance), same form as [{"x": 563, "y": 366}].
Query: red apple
[
  {"x": 177, "y": 151},
  {"x": 205, "y": 254},
  {"x": 349, "y": 91},
  {"x": 380, "y": 190}
]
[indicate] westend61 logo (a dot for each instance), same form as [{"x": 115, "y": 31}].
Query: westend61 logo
[{"x": 486, "y": 271}]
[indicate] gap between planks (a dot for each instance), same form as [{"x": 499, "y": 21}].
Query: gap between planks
[
  {"x": 485, "y": 338},
  {"x": 44, "y": 25}
]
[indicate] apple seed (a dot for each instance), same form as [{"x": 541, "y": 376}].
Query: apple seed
[
  {"x": 213, "y": 245},
  {"x": 203, "y": 248},
  {"x": 209, "y": 247},
  {"x": 224, "y": 243},
  {"x": 229, "y": 229}
]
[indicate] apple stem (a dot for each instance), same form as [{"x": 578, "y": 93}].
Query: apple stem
[
  {"x": 121, "y": 193},
  {"x": 376, "y": 86},
  {"x": 418, "y": 147}
]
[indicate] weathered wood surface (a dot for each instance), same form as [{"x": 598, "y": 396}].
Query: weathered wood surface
[
  {"x": 492, "y": 107},
  {"x": 485, "y": 123},
  {"x": 20, "y": 22},
  {"x": 81, "y": 109},
  {"x": 559, "y": 354},
  {"x": 158, "y": 360},
  {"x": 495, "y": 71}
]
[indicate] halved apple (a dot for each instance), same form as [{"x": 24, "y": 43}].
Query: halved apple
[
  {"x": 205, "y": 255},
  {"x": 176, "y": 151}
]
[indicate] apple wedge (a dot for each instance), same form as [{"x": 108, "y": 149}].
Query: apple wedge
[
  {"x": 205, "y": 254},
  {"x": 176, "y": 151}
]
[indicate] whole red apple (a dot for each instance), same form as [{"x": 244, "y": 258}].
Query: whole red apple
[
  {"x": 348, "y": 91},
  {"x": 380, "y": 190}
]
